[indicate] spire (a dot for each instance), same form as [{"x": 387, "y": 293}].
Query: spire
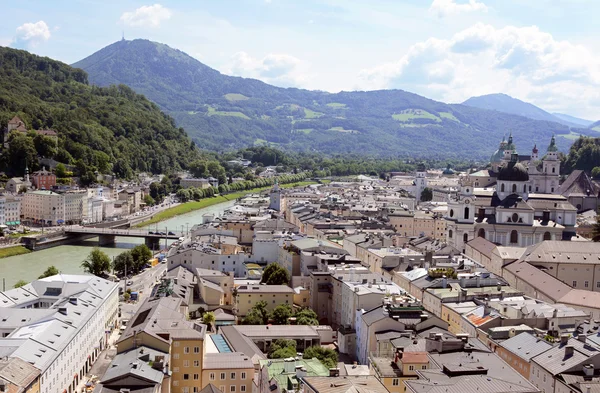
[
  {"x": 535, "y": 149},
  {"x": 552, "y": 147},
  {"x": 510, "y": 139}
]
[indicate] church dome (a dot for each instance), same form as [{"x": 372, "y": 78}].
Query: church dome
[
  {"x": 497, "y": 156},
  {"x": 513, "y": 171}
]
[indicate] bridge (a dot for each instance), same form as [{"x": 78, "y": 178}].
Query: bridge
[{"x": 107, "y": 236}]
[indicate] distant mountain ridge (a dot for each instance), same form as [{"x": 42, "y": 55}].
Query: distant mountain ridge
[
  {"x": 573, "y": 119},
  {"x": 224, "y": 112}
]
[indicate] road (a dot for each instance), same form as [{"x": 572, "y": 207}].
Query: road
[{"x": 142, "y": 284}]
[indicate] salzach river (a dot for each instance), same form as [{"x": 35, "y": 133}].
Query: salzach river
[{"x": 68, "y": 258}]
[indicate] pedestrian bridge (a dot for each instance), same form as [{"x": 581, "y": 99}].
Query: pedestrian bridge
[{"x": 107, "y": 236}]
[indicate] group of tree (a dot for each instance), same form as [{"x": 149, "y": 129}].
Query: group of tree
[
  {"x": 584, "y": 154},
  {"x": 105, "y": 130},
  {"x": 282, "y": 349},
  {"x": 132, "y": 261},
  {"x": 280, "y": 315},
  {"x": 50, "y": 271},
  {"x": 275, "y": 274}
]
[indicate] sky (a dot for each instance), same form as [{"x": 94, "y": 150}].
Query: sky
[{"x": 546, "y": 52}]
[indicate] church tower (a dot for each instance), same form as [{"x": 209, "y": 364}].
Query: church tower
[
  {"x": 275, "y": 197},
  {"x": 420, "y": 181},
  {"x": 534, "y": 154},
  {"x": 551, "y": 168}
]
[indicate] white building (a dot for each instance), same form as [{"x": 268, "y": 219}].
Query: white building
[
  {"x": 12, "y": 210},
  {"x": 203, "y": 256},
  {"x": 76, "y": 206},
  {"x": 94, "y": 208},
  {"x": 59, "y": 324},
  {"x": 43, "y": 206}
]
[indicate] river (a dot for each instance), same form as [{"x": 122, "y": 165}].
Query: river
[{"x": 68, "y": 258}]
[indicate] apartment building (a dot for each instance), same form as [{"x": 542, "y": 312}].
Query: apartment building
[
  {"x": 76, "y": 206},
  {"x": 231, "y": 372},
  {"x": 274, "y": 295},
  {"x": 43, "y": 179},
  {"x": 59, "y": 325},
  {"x": 12, "y": 210},
  {"x": 45, "y": 207}
]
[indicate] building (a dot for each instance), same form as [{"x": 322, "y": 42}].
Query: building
[
  {"x": 274, "y": 295},
  {"x": 18, "y": 376},
  {"x": 76, "y": 206},
  {"x": 43, "y": 207},
  {"x": 43, "y": 179},
  {"x": 518, "y": 351},
  {"x": 12, "y": 210},
  {"x": 160, "y": 325},
  {"x": 191, "y": 182},
  {"x": 59, "y": 325},
  {"x": 230, "y": 372},
  {"x": 581, "y": 191},
  {"x": 343, "y": 384},
  {"x": 285, "y": 375}
]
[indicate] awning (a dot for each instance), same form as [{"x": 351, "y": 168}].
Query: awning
[{"x": 60, "y": 221}]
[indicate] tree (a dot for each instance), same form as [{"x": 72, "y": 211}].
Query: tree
[
  {"x": 45, "y": 146},
  {"x": 51, "y": 271},
  {"x": 208, "y": 318},
  {"x": 258, "y": 314},
  {"x": 122, "y": 261},
  {"x": 20, "y": 283},
  {"x": 327, "y": 356},
  {"x": 426, "y": 194},
  {"x": 96, "y": 263},
  {"x": 126, "y": 296},
  {"x": 21, "y": 152},
  {"x": 140, "y": 254},
  {"x": 282, "y": 348},
  {"x": 596, "y": 172},
  {"x": 60, "y": 170},
  {"x": 274, "y": 274},
  {"x": 148, "y": 200},
  {"x": 307, "y": 316},
  {"x": 281, "y": 313}
]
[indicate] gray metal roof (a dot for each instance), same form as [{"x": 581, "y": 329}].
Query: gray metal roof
[
  {"x": 226, "y": 360},
  {"x": 526, "y": 345},
  {"x": 556, "y": 360}
]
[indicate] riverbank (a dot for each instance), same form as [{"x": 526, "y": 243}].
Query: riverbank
[
  {"x": 188, "y": 207},
  {"x": 12, "y": 251}
]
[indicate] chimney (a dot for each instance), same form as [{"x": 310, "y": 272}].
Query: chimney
[
  {"x": 63, "y": 310},
  {"x": 424, "y": 317},
  {"x": 73, "y": 300},
  {"x": 564, "y": 339},
  {"x": 588, "y": 370},
  {"x": 582, "y": 338},
  {"x": 432, "y": 335},
  {"x": 569, "y": 350},
  {"x": 462, "y": 282},
  {"x": 334, "y": 372},
  {"x": 438, "y": 336}
]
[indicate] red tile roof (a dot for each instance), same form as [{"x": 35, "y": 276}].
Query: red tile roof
[{"x": 415, "y": 357}]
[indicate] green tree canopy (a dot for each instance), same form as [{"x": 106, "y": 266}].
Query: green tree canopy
[
  {"x": 275, "y": 274},
  {"x": 282, "y": 348},
  {"x": 51, "y": 271},
  {"x": 327, "y": 356},
  {"x": 258, "y": 314},
  {"x": 97, "y": 262},
  {"x": 141, "y": 254},
  {"x": 281, "y": 313},
  {"x": 426, "y": 194},
  {"x": 20, "y": 284},
  {"x": 124, "y": 259},
  {"x": 307, "y": 316}
]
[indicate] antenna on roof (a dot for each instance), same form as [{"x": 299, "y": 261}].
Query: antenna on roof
[{"x": 122, "y": 35}]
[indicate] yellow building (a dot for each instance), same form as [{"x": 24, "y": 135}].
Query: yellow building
[
  {"x": 19, "y": 376},
  {"x": 187, "y": 353},
  {"x": 453, "y": 312},
  {"x": 394, "y": 372},
  {"x": 274, "y": 295},
  {"x": 230, "y": 372}
]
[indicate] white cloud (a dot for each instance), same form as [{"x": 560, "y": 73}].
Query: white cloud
[
  {"x": 443, "y": 8},
  {"x": 279, "y": 69},
  {"x": 146, "y": 16},
  {"x": 31, "y": 34},
  {"x": 520, "y": 61}
]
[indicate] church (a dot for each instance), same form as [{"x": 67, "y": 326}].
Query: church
[{"x": 523, "y": 209}]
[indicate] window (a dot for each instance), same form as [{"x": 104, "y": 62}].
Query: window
[
  {"x": 514, "y": 237},
  {"x": 186, "y": 377},
  {"x": 222, "y": 376},
  {"x": 515, "y": 217},
  {"x": 411, "y": 368},
  {"x": 514, "y": 188},
  {"x": 450, "y": 234},
  {"x": 185, "y": 390},
  {"x": 196, "y": 363},
  {"x": 547, "y": 236},
  {"x": 424, "y": 367},
  {"x": 466, "y": 213},
  {"x": 196, "y": 349},
  {"x": 186, "y": 363},
  {"x": 222, "y": 388},
  {"x": 395, "y": 382},
  {"x": 481, "y": 233},
  {"x": 502, "y": 187},
  {"x": 243, "y": 388},
  {"x": 598, "y": 284},
  {"x": 211, "y": 376},
  {"x": 466, "y": 237},
  {"x": 243, "y": 375},
  {"x": 233, "y": 376},
  {"x": 586, "y": 284},
  {"x": 196, "y": 377},
  {"x": 175, "y": 356},
  {"x": 232, "y": 388},
  {"x": 574, "y": 284}
]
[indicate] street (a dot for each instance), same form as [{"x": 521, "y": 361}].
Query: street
[{"x": 142, "y": 284}]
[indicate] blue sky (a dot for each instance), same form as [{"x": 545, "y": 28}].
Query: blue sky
[{"x": 543, "y": 51}]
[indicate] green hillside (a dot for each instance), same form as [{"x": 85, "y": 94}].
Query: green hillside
[
  {"x": 222, "y": 112},
  {"x": 97, "y": 126}
]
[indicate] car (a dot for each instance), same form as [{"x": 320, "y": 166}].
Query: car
[
  {"x": 171, "y": 233},
  {"x": 129, "y": 282},
  {"x": 150, "y": 233}
]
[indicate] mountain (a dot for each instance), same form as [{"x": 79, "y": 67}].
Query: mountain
[
  {"x": 595, "y": 126},
  {"x": 507, "y": 104},
  {"x": 573, "y": 119},
  {"x": 222, "y": 112},
  {"x": 110, "y": 129}
]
